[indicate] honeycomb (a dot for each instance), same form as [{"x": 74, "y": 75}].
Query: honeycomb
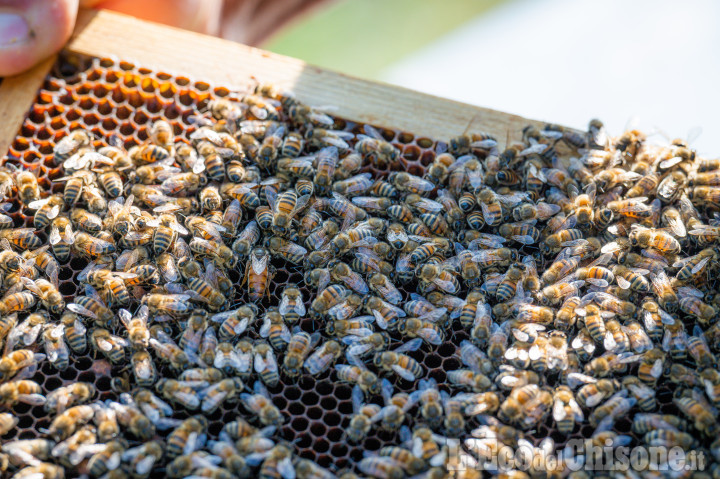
[
  {"x": 116, "y": 97},
  {"x": 110, "y": 97}
]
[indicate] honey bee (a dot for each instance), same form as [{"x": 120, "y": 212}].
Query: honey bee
[
  {"x": 555, "y": 293},
  {"x": 27, "y": 186},
  {"x": 90, "y": 246},
  {"x": 566, "y": 411},
  {"x": 288, "y": 250},
  {"x": 284, "y": 206},
  {"x": 639, "y": 340},
  {"x": 593, "y": 391},
  {"x": 170, "y": 304},
  {"x": 319, "y": 361},
  {"x": 399, "y": 363},
  {"x": 329, "y": 297},
  {"x": 298, "y": 349},
  {"x": 215, "y": 395},
  {"x": 362, "y": 345},
  {"x": 69, "y": 421},
  {"x": 664, "y": 291},
  {"x": 415, "y": 327},
  {"x": 21, "y": 301},
  {"x": 274, "y": 329},
  {"x": 507, "y": 287},
  {"x": 7, "y": 422},
  {"x": 246, "y": 239},
  {"x": 698, "y": 348},
  {"x": 109, "y": 345},
  {"x": 258, "y": 275},
  {"x": 186, "y": 436},
  {"x": 179, "y": 392},
  {"x": 143, "y": 368},
  {"x": 106, "y": 459},
  {"x": 42, "y": 469},
  {"x": 360, "y": 422},
  {"x": 71, "y": 144},
  {"x": 695, "y": 407},
  {"x": 396, "y": 406},
  {"x": 21, "y": 238},
  {"x": 556, "y": 241},
  {"x": 55, "y": 348},
  {"x": 220, "y": 254},
  {"x": 374, "y": 145},
  {"x": 259, "y": 404},
  {"x": 649, "y": 238},
  {"x": 464, "y": 143},
  {"x": 21, "y": 391},
  {"x": 232, "y": 458},
  {"x": 357, "y": 374},
  {"x": 266, "y": 364},
  {"x": 430, "y": 274},
  {"x": 61, "y": 237},
  {"x": 690, "y": 304}
]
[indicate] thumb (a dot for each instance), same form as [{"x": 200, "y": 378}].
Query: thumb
[{"x": 32, "y": 30}]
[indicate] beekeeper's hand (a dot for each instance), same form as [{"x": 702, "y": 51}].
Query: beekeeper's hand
[{"x": 32, "y": 30}]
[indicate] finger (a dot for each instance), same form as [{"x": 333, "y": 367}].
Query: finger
[
  {"x": 32, "y": 30},
  {"x": 197, "y": 15}
]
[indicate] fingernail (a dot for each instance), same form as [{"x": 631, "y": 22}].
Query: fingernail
[{"x": 13, "y": 30}]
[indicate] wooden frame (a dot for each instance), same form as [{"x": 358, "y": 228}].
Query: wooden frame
[{"x": 232, "y": 65}]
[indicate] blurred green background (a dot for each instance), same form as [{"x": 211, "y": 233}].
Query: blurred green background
[{"x": 361, "y": 37}]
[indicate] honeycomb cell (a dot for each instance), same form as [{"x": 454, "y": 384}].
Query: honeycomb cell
[
  {"x": 296, "y": 408},
  {"x": 299, "y": 423},
  {"x": 314, "y": 413}
]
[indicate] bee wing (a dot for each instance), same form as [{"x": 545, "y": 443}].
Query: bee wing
[
  {"x": 138, "y": 236},
  {"x": 300, "y": 204},
  {"x": 622, "y": 282},
  {"x": 524, "y": 239},
  {"x": 513, "y": 199},
  {"x": 34, "y": 205},
  {"x": 373, "y": 133},
  {"x": 393, "y": 235},
  {"x": 429, "y": 205},
  {"x": 420, "y": 184},
  {"x": 271, "y": 197},
  {"x": 559, "y": 412},
  {"x": 31, "y": 286},
  {"x": 390, "y": 293},
  {"x": 403, "y": 373},
  {"x": 318, "y": 362},
  {"x": 259, "y": 265},
  {"x": 293, "y": 248},
  {"x": 356, "y": 282},
  {"x": 704, "y": 230},
  {"x": 447, "y": 286},
  {"x": 380, "y": 319},
  {"x": 79, "y": 327},
  {"x": 577, "y": 379},
  {"x": 430, "y": 335},
  {"x": 284, "y": 307},
  {"x": 412, "y": 345},
  {"x": 701, "y": 264},
  {"x": 76, "y": 308}
]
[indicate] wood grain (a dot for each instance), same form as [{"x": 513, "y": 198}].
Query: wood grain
[
  {"x": 107, "y": 34},
  {"x": 17, "y": 94},
  {"x": 103, "y": 33}
]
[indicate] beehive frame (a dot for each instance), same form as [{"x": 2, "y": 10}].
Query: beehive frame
[
  {"x": 208, "y": 66},
  {"x": 106, "y": 34}
]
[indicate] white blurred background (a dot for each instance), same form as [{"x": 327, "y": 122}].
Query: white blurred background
[{"x": 564, "y": 61}]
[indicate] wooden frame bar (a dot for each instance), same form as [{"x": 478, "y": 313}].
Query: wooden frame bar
[{"x": 232, "y": 65}]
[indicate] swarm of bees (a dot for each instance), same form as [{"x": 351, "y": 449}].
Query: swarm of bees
[{"x": 576, "y": 268}]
